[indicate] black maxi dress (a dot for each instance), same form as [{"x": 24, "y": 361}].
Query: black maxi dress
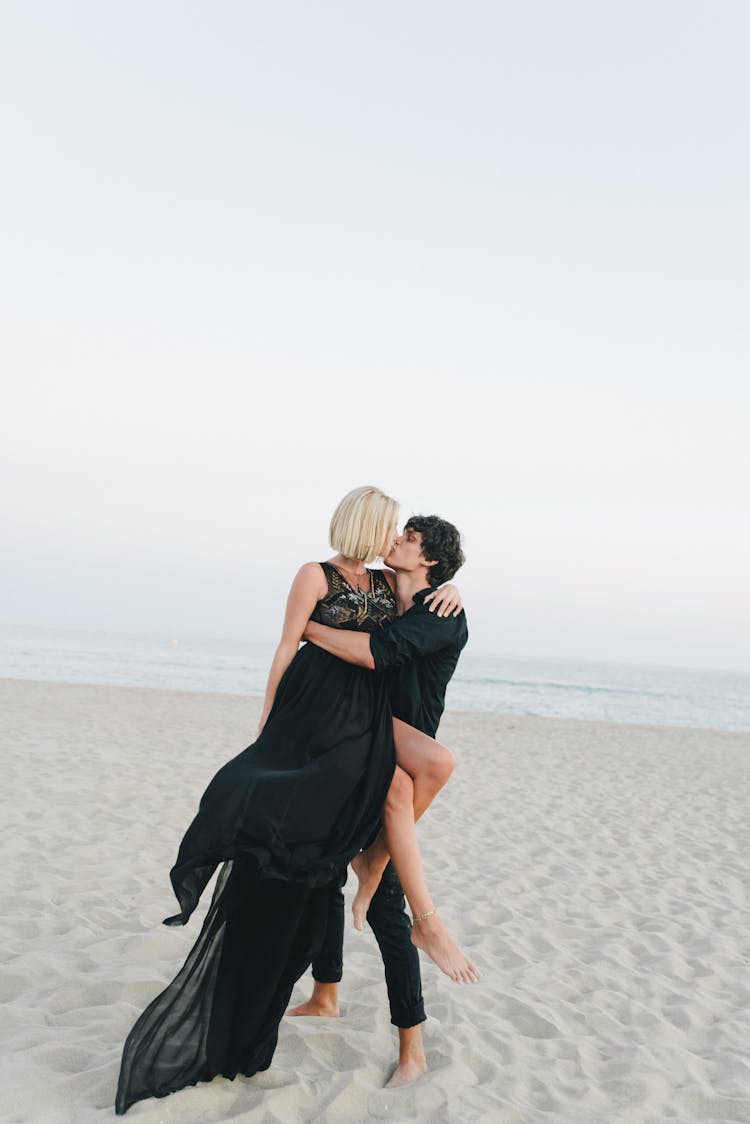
[{"x": 282, "y": 818}]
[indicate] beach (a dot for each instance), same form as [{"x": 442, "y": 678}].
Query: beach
[{"x": 596, "y": 873}]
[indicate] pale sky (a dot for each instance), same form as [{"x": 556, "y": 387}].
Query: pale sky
[{"x": 491, "y": 257}]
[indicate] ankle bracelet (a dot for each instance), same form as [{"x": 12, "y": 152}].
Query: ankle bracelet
[{"x": 422, "y": 916}]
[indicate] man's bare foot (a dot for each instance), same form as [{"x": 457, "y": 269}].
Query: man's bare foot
[
  {"x": 369, "y": 880},
  {"x": 324, "y": 1002},
  {"x": 407, "y": 1070},
  {"x": 313, "y": 1008},
  {"x": 431, "y": 935}
]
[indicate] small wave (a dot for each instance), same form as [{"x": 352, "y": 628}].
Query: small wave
[
  {"x": 613, "y": 693},
  {"x": 551, "y": 685}
]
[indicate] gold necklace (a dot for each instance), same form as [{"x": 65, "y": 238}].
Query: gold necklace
[
  {"x": 357, "y": 589},
  {"x": 355, "y": 585},
  {"x": 362, "y": 614}
]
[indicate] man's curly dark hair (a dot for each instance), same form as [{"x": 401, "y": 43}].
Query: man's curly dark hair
[{"x": 441, "y": 543}]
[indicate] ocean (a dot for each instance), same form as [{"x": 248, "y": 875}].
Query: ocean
[{"x": 608, "y": 692}]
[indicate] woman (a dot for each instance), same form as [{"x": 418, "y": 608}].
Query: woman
[{"x": 283, "y": 817}]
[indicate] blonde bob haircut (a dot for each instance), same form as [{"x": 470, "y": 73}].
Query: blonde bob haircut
[{"x": 363, "y": 524}]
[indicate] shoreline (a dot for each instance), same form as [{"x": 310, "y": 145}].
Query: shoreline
[{"x": 257, "y": 698}]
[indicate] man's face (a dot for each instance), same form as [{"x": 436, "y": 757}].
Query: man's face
[{"x": 406, "y": 552}]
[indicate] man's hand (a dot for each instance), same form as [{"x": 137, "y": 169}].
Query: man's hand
[{"x": 446, "y": 599}]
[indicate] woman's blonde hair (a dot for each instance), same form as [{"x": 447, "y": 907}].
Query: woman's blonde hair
[{"x": 363, "y": 524}]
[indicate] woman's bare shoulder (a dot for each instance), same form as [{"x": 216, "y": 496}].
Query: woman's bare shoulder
[{"x": 311, "y": 574}]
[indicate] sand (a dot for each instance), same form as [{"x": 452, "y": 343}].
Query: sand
[{"x": 597, "y": 873}]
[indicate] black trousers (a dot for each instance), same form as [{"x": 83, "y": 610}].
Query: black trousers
[{"x": 389, "y": 922}]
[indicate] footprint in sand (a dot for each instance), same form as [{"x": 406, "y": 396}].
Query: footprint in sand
[
  {"x": 11, "y": 986},
  {"x": 64, "y": 1058},
  {"x": 527, "y": 1022}
]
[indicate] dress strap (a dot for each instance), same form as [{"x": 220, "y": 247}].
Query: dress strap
[
  {"x": 326, "y": 567},
  {"x": 382, "y": 581},
  {"x": 333, "y": 577}
]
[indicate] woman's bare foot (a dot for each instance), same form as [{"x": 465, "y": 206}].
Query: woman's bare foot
[
  {"x": 369, "y": 880},
  {"x": 324, "y": 1002},
  {"x": 431, "y": 935}
]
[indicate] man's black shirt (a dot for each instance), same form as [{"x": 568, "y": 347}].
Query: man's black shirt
[{"x": 418, "y": 654}]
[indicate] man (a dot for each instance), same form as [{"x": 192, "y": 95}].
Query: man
[{"x": 418, "y": 655}]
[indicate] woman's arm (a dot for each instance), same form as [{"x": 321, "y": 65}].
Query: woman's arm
[
  {"x": 307, "y": 589},
  {"x": 446, "y": 599}
]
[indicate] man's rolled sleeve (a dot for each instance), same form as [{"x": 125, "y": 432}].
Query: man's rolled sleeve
[{"x": 418, "y": 633}]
